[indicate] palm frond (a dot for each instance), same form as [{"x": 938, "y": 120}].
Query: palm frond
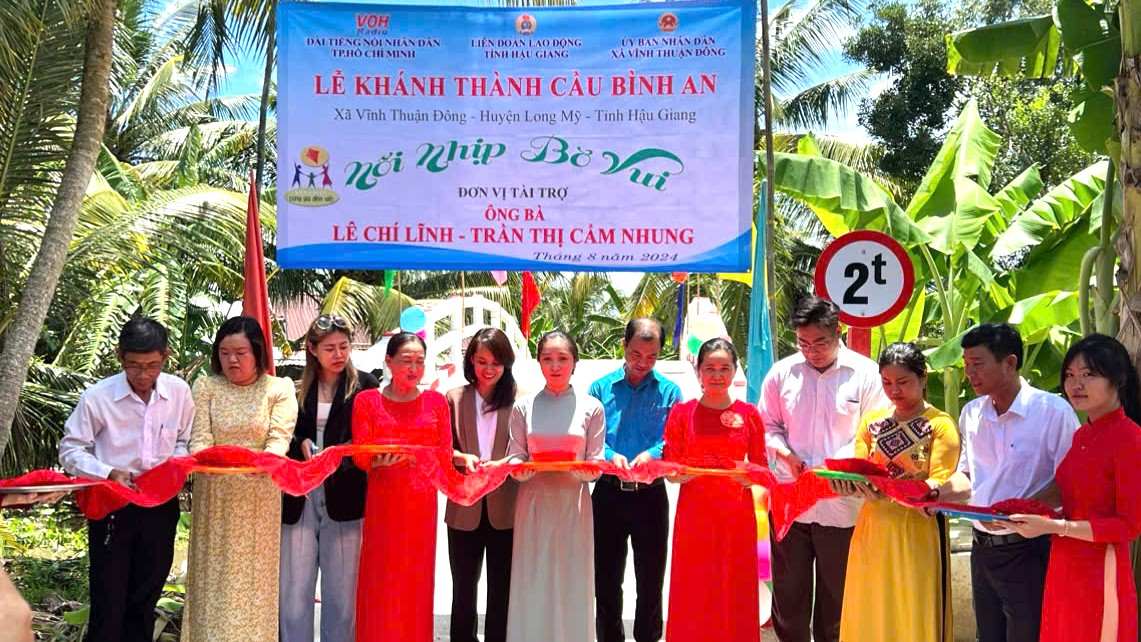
[
  {"x": 801, "y": 44},
  {"x": 154, "y": 85},
  {"x": 224, "y": 27},
  {"x": 46, "y": 400},
  {"x": 812, "y": 106},
  {"x": 40, "y": 63},
  {"x": 366, "y": 306}
]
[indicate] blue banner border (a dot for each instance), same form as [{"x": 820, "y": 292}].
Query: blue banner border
[{"x": 345, "y": 255}]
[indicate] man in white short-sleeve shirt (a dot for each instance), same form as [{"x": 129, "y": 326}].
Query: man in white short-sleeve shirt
[
  {"x": 1014, "y": 436},
  {"x": 811, "y": 404},
  {"x": 123, "y": 426}
]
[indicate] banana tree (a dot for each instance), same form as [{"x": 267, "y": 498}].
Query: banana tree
[
  {"x": 1083, "y": 40},
  {"x": 980, "y": 255},
  {"x": 1102, "y": 42}
]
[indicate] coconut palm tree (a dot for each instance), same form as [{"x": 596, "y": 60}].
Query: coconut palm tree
[
  {"x": 23, "y": 23},
  {"x": 161, "y": 226}
]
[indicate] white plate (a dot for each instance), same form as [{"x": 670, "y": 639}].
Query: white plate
[{"x": 47, "y": 488}]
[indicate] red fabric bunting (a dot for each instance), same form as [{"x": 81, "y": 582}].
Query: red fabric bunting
[
  {"x": 857, "y": 465},
  {"x": 1024, "y": 507},
  {"x": 39, "y": 477},
  {"x": 531, "y": 298},
  {"x": 912, "y": 492},
  {"x": 1005, "y": 507},
  {"x": 158, "y": 485},
  {"x": 788, "y": 501},
  {"x": 255, "y": 299}
]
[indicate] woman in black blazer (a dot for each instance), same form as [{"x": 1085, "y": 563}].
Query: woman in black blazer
[{"x": 323, "y": 529}]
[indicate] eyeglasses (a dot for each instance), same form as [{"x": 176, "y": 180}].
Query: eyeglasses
[
  {"x": 818, "y": 345},
  {"x": 141, "y": 368},
  {"x": 327, "y": 322}
]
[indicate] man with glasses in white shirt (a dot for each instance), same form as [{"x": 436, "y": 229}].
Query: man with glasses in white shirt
[
  {"x": 811, "y": 404},
  {"x": 123, "y": 426},
  {"x": 1013, "y": 437}
]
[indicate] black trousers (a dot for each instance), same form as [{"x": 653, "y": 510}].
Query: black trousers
[
  {"x": 130, "y": 553},
  {"x": 808, "y": 552},
  {"x": 1007, "y": 582},
  {"x": 465, "y": 554},
  {"x": 642, "y": 517}
]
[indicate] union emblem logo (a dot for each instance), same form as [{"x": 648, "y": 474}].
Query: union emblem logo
[
  {"x": 667, "y": 22},
  {"x": 526, "y": 24}
]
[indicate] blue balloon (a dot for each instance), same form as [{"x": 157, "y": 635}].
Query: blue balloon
[{"x": 413, "y": 319}]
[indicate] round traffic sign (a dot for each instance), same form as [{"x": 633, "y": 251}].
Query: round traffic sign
[{"x": 868, "y": 275}]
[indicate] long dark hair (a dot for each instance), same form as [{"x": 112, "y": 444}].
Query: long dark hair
[
  {"x": 497, "y": 343},
  {"x": 907, "y": 356},
  {"x": 1106, "y": 357}
]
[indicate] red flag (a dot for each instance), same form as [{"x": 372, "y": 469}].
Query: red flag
[
  {"x": 531, "y": 299},
  {"x": 255, "y": 300}
]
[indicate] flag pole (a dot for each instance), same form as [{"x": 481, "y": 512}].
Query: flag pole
[
  {"x": 255, "y": 289},
  {"x": 263, "y": 106},
  {"x": 762, "y": 347},
  {"x": 767, "y": 194}
]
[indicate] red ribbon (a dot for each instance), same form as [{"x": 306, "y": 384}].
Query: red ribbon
[{"x": 160, "y": 484}]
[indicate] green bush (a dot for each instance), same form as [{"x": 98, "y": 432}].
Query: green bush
[{"x": 46, "y": 552}]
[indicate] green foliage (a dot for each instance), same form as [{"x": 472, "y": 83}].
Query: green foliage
[
  {"x": 47, "y": 398},
  {"x": 952, "y": 203},
  {"x": 805, "y": 90},
  {"x": 1052, "y": 215},
  {"x": 842, "y": 198},
  {"x": 1023, "y": 48},
  {"x": 1089, "y": 35},
  {"x": 48, "y": 556},
  {"x": 40, "y": 60},
  {"x": 1032, "y": 118},
  {"x": 931, "y": 71},
  {"x": 906, "y": 41},
  {"x": 47, "y": 559},
  {"x": 1079, "y": 38},
  {"x": 56, "y": 530},
  {"x": 958, "y": 282},
  {"x": 1060, "y": 229},
  {"x": 586, "y": 306}
]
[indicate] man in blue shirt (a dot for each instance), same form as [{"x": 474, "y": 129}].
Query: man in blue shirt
[{"x": 636, "y": 400}]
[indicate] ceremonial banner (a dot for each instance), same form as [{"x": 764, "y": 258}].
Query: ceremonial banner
[{"x": 575, "y": 138}]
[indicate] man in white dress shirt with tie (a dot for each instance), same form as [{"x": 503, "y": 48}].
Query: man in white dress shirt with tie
[
  {"x": 1013, "y": 436},
  {"x": 123, "y": 426},
  {"x": 811, "y": 404}
]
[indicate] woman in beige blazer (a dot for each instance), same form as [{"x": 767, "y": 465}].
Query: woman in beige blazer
[{"x": 480, "y": 411}]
